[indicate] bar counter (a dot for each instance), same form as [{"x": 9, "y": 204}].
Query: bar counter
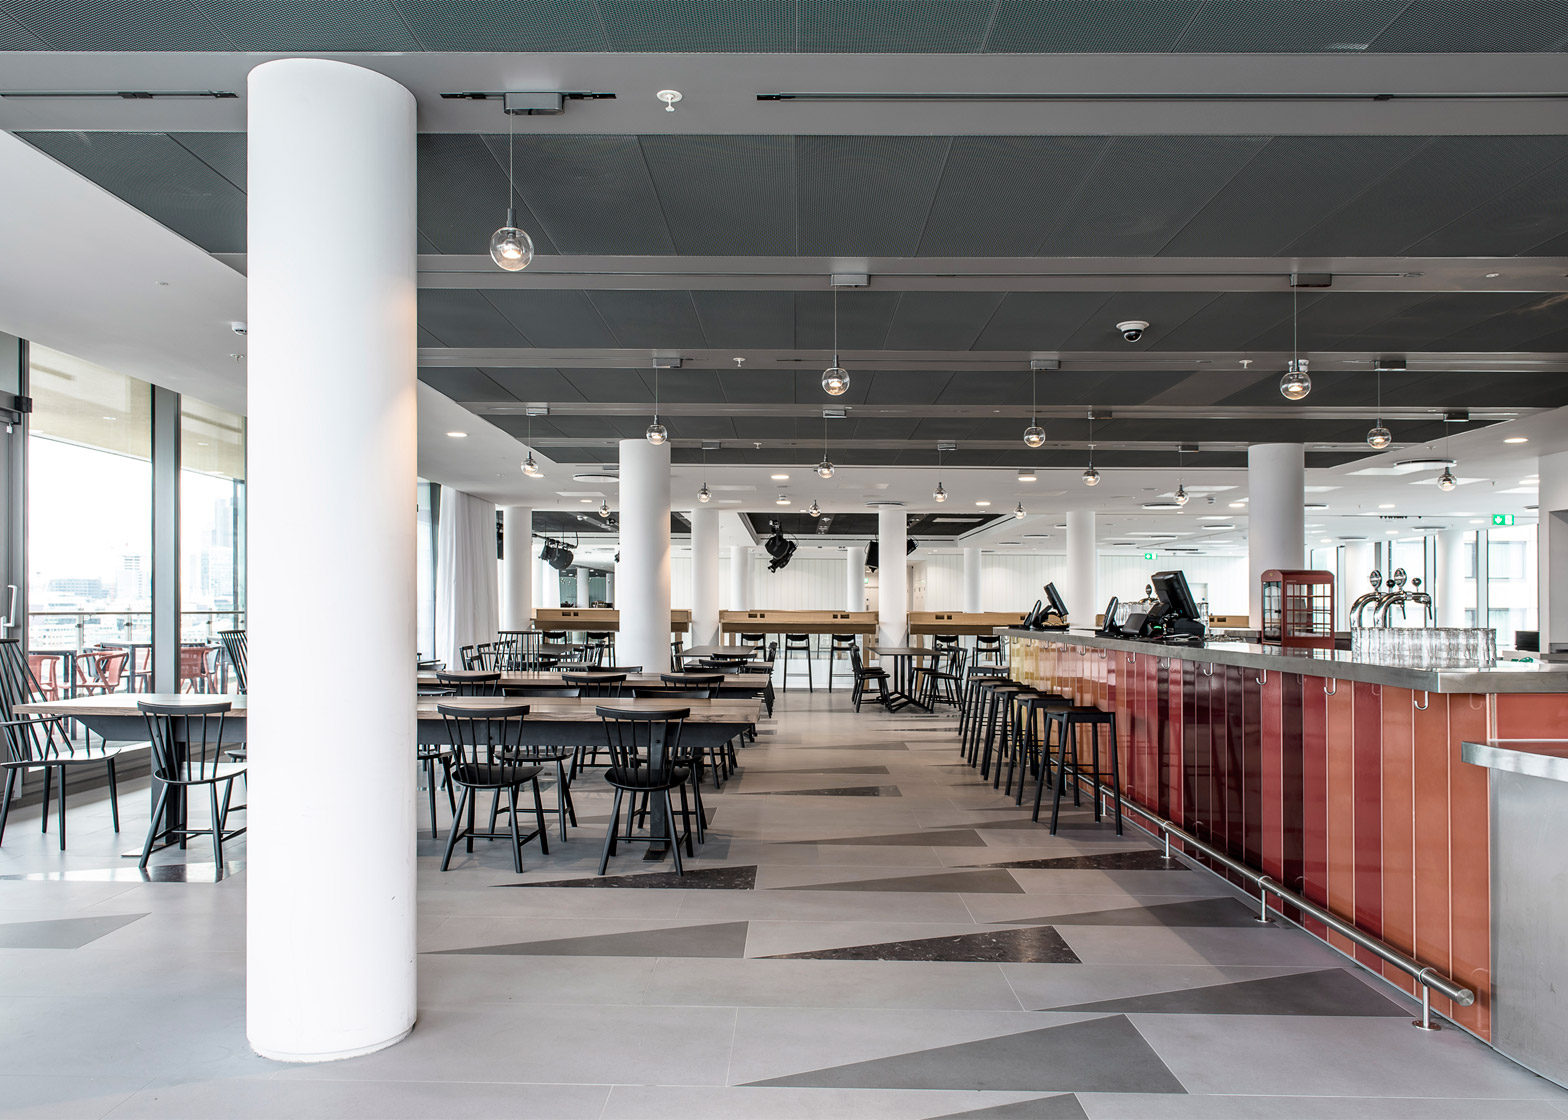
[{"x": 1340, "y": 779}]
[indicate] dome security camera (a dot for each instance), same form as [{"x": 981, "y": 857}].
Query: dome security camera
[{"x": 1132, "y": 330}]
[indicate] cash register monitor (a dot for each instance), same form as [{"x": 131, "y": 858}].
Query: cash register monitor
[
  {"x": 1176, "y": 596},
  {"x": 1054, "y": 598}
]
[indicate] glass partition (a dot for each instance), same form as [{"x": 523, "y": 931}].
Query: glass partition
[{"x": 212, "y": 542}]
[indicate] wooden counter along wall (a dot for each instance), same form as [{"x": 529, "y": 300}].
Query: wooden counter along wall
[
  {"x": 961, "y": 622},
  {"x": 597, "y": 619},
  {"x": 1350, "y": 793},
  {"x": 798, "y": 622}
]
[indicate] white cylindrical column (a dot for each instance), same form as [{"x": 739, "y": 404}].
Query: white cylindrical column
[
  {"x": 704, "y": 576},
  {"x": 854, "y": 578},
  {"x": 971, "y": 580},
  {"x": 892, "y": 576},
  {"x": 1082, "y": 593},
  {"x": 517, "y": 568},
  {"x": 1276, "y": 519},
  {"x": 1359, "y": 560},
  {"x": 580, "y": 579},
  {"x": 740, "y": 578},
  {"x": 1451, "y": 596},
  {"x": 609, "y": 587},
  {"x": 330, "y": 969},
  {"x": 644, "y": 568}
]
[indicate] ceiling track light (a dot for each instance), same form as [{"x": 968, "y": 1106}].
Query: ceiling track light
[
  {"x": 1295, "y": 384},
  {"x": 835, "y": 379},
  {"x": 510, "y": 247}
]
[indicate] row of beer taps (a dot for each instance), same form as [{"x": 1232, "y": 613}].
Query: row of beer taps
[{"x": 1382, "y": 599}]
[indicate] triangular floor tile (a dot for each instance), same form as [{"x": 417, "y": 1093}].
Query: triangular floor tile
[
  {"x": 1062, "y": 1107},
  {"x": 724, "y": 939},
  {"x": 1036, "y": 945},
  {"x": 1199, "y": 912},
  {"x": 936, "y": 838},
  {"x": 942, "y": 882},
  {"x": 1097, "y": 1056},
  {"x": 61, "y": 933},
  {"x": 1329, "y": 991},
  {"x": 846, "y": 791},
  {"x": 1105, "y": 861},
  {"x": 707, "y": 878}
]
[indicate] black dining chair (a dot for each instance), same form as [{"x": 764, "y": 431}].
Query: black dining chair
[
  {"x": 868, "y": 678},
  {"x": 554, "y": 755},
  {"x": 235, "y": 646},
  {"x": 188, "y": 749},
  {"x": 720, "y": 760},
  {"x": 472, "y": 682},
  {"x": 600, "y": 648},
  {"x": 486, "y": 747},
  {"x": 646, "y": 761}
]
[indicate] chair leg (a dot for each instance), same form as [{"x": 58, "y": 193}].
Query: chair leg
[
  {"x": 43, "y": 823},
  {"x": 609, "y": 835},
  {"x": 217, "y": 827},
  {"x": 686, "y": 819},
  {"x": 5, "y": 804},
  {"x": 669, "y": 830},
  {"x": 152, "y": 826},
  {"x": 430, "y": 789},
  {"x": 544, "y": 837},
  {"x": 511, "y": 816},
  {"x": 114, "y": 797},
  {"x": 62, "y": 809},
  {"x": 702, "y": 814},
  {"x": 456, "y": 830}
]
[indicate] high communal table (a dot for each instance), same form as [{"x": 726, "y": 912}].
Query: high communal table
[
  {"x": 552, "y": 721},
  {"x": 900, "y": 695},
  {"x": 734, "y": 685},
  {"x": 1350, "y": 783}
]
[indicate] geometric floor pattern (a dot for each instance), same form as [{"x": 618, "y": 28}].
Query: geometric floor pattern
[{"x": 910, "y": 950}]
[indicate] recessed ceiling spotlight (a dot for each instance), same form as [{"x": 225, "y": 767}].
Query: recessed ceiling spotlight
[
  {"x": 1517, "y": 439},
  {"x": 779, "y": 477},
  {"x": 982, "y": 502},
  {"x": 1493, "y": 275},
  {"x": 1386, "y": 505},
  {"x": 1238, "y": 505},
  {"x": 1027, "y": 475},
  {"x": 781, "y": 500},
  {"x": 458, "y": 435}
]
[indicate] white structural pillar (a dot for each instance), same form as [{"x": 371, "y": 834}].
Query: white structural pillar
[
  {"x": 644, "y": 569},
  {"x": 1276, "y": 518},
  {"x": 580, "y": 576},
  {"x": 892, "y": 576},
  {"x": 517, "y": 568},
  {"x": 1360, "y": 559},
  {"x": 971, "y": 580},
  {"x": 332, "y": 442},
  {"x": 740, "y": 578},
  {"x": 704, "y": 576},
  {"x": 1082, "y": 593},
  {"x": 1450, "y": 593},
  {"x": 854, "y": 578}
]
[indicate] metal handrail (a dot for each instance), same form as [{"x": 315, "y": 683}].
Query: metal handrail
[{"x": 1430, "y": 979}]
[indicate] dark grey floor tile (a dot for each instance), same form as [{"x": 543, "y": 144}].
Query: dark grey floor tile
[
  {"x": 844, "y": 791},
  {"x": 1328, "y": 991},
  {"x": 61, "y": 933},
  {"x": 1196, "y": 912},
  {"x": 943, "y": 882},
  {"x": 1105, "y": 861},
  {"x": 936, "y": 838},
  {"x": 1063, "y": 1106},
  {"x": 1099, "y": 1055},
  {"x": 826, "y": 770},
  {"x": 1037, "y": 945},
  {"x": 706, "y": 878},
  {"x": 722, "y": 939}
]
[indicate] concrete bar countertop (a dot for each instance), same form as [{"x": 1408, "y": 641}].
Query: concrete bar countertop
[{"x": 1501, "y": 677}]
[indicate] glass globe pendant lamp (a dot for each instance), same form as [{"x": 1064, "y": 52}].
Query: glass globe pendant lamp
[
  {"x": 939, "y": 494},
  {"x": 1379, "y": 438},
  {"x": 657, "y": 432},
  {"x": 835, "y": 379},
  {"x": 1295, "y": 384},
  {"x": 531, "y": 467},
  {"x": 1020, "y": 511},
  {"x": 824, "y": 469},
  {"x": 1446, "y": 481},
  {"x": 705, "y": 495},
  {"x": 815, "y": 510},
  {"x": 1091, "y": 477},
  {"x": 511, "y": 248}
]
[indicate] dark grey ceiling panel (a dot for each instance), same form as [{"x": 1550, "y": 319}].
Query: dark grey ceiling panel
[
  {"x": 590, "y": 194},
  {"x": 535, "y": 385},
  {"x": 524, "y": 26},
  {"x": 941, "y": 320},
  {"x": 224, "y": 152},
  {"x": 1039, "y": 320},
  {"x": 1516, "y": 221},
  {"x": 1447, "y": 178},
  {"x": 124, "y": 25},
  {"x": 462, "y": 195},
  {"x": 906, "y": 386},
  {"x": 1227, "y": 322},
  {"x": 550, "y": 319},
  {"x": 1424, "y": 326},
  {"x": 1295, "y": 27},
  {"x": 463, "y": 318},
  {"x": 290, "y": 25},
  {"x": 747, "y": 320},
  {"x": 1099, "y": 26},
  {"x": 1290, "y": 186},
  {"x": 463, "y": 384},
  {"x": 864, "y": 319},
  {"x": 1000, "y": 195},
  {"x": 158, "y": 177},
  {"x": 1477, "y": 25},
  {"x": 687, "y": 386},
  {"x": 638, "y": 319},
  {"x": 629, "y": 386},
  {"x": 698, "y": 25},
  {"x": 1144, "y": 190},
  {"x": 1154, "y": 308},
  {"x": 994, "y": 388},
  {"x": 726, "y": 195},
  {"x": 757, "y": 387},
  {"x": 879, "y": 26},
  {"x": 15, "y": 37},
  {"x": 1525, "y": 326},
  {"x": 866, "y": 194}
]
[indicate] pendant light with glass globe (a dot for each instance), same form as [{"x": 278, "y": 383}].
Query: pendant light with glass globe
[
  {"x": 815, "y": 510},
  {"x": 657, "y": 433},
  {"x": 1034, "y": 435},
  {"x": 939, "y": 494},
  {"x": 510, "y": 247},
  {"x": 1379, "y": 437},
  {"x": 604, "y": 507},
  {"x": 705, "y": 495},
  {"x": 825, "y": 468},
  {"x": 1295, "y": 384},
  {"x": 1020, "y": 512},
  {"x": 1181, "y": 489},
  {"x": 530, "y": 467},
  {"x": 1091, "y": 477},
  {"x": 835, "y": 379},
  {"x": 1446, "y": 481}
]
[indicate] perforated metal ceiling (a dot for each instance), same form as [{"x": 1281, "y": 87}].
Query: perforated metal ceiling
[{"x": 807, "y": 26}]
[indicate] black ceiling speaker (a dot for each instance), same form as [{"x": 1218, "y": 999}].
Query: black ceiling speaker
[
  {"x": 563, "y": 559},
  {"x": 779, "y": 547},
  {"x": 911, "y": 546},
  {"x": 872, "y": 555}
]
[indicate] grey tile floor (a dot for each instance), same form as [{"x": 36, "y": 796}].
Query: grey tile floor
[{"x": 921, "y": 952}]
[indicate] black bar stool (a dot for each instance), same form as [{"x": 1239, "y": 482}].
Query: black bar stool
[
  {"x": 969, "y": 745},
  {"x": 1067, "y": 721},
  {"x": 999, "y": 707},
  {"x": 988, "y": 650},
  {"x": 973, "y": 678},
  {"x": 801, "y": 644},
  {"x": 840, "y": 646},
  {"x": 1028, "y": 739}
]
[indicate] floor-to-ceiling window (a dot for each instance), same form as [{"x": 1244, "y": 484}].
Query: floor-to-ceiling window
[
  {"x": 212, "y": 539},
  {"x": 89, "y": 505},
  {"x": 1511, "y": 591}
]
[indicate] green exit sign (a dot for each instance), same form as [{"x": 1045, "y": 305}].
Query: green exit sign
[
  {"x": 1502, "y": 519},
  {"x": 1151, "y": 555}
]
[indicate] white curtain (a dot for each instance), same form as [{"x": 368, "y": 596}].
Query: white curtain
[{"x": 467, "y": 596}]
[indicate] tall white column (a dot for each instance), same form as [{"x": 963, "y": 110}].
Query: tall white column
[
  {"x": 517, "y": 568},
  {"x": 1276, "y": 518},
  {"x": 1082, "y": 593},
  {"x": 645, "y": 556},
  {"x": 892, "y": 576},
  {"x": 580, "y": 578},
  {"x": 332, "y": 349},
  {"x": 740, "y": 578},
  {"x": 704, "y": 576},
  {"x": 1450, "y": 594},
  {"x": 1360, "y": 559},
  {"x": 971, "y": 580},
  {"x": 855, "y": 578}
]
